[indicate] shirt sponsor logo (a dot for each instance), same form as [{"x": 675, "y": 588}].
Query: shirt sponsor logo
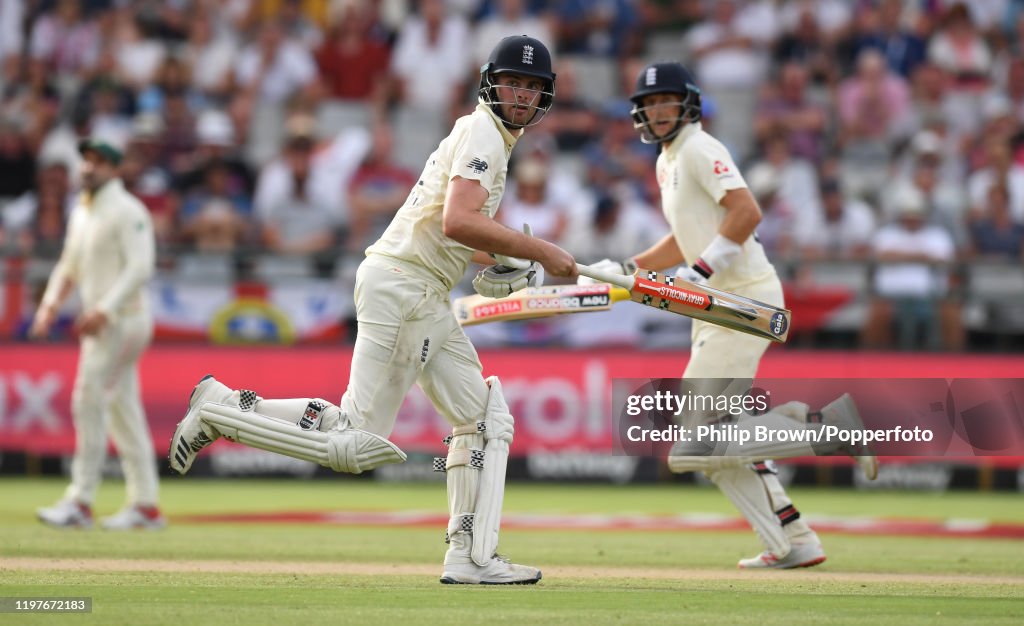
[
  {"x": 478, "y": 165},
  {"x": 721, "y": 168}
]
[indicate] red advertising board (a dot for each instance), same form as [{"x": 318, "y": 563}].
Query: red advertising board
[{"x": 561, "y": 399}]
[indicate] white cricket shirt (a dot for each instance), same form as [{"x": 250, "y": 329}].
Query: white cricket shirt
[
  {"x": 694, "y": 173},
  {"x": 478, "y": 148},
  {"x": 109, "y": 252}
]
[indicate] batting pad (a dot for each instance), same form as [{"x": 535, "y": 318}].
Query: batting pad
[
  {"x": 749, "y": 495},
  {"x": 351, "y": 450},
  {"x": 498, "y": 431}
]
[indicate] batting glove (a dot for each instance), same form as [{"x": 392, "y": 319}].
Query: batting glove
[
  {"x": 498, "y": 281},
  {"x": 626, "y": 267}
]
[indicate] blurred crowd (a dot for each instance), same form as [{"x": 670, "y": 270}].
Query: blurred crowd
[{"x": 886, "y": 131}]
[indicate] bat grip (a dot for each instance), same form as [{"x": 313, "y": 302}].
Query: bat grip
[{"x": 619, "y": 280}]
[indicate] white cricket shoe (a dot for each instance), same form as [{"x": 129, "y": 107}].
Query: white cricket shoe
[
  {"x": 66, "y": 514},
  {"x": 843, "y": 412},
  {"x": 192, "y": 435},
  {"x": 800, "y": 555},
  {"x": 499, "y": 571},
  {"x": 135, "y": 517}
]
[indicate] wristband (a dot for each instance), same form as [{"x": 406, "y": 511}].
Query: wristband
[{"x": 717, "y": 256}]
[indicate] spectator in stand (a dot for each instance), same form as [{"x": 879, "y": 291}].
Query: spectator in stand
[
  {"x": 378, "y": 189},
  {"x": 606, "y": 28},
  {"x": 996, "y": 234},
  {"x": 848, "y": 228},
  {"x": 573, "y": 122},
  {"x": 215, "y": 136},
  {"x": 776, "y": 230},
  {"x": 352, "y": 60},
  {"x": 886, "y": 32},
  {"x": 1000, "y": 170},
  {"x": 64, "y": 40},
  {"x": 529, "y": 202},
  {"x": 139, "y": 54},
  {"x": 873, "y": 106},
  {"x": 32, "y": 100},
  {"x": 273, "y": 69},
  {"x": 614, "y": 226},
  {"x": 300, "y": 201},
  {"x": 33, "y": 223},
  {"x": 804, "y": 41},
  {"x": 511, "y": 17},
  {"x": 798, "y": 186},
  {"x": 788, "y": 109},
  {"x": 210, "y": 56},
  {"x": 214, "y": 217},
  {"x": 144, "y": 173},
  {"x": 300, "y": 20},
  {"x": 429, "y": 62},
  {"x": 911, "y": 281},
  {"x": 958, "y": 48},
  {"x": 1014, "y": 86}
]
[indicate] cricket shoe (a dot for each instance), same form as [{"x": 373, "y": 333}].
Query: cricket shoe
[
  {"x": 842, "y": 412},
  {"x": 192, "y": 435},
  {"x": 499, "y": 571},
  {"x": 800, "y": 555},
  {"x": 135, "y": 517},
  {"x": 66, "y": 514}
]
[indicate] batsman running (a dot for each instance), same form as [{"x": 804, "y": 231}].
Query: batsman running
[
  {"x": 407, "y": 333},
  {"x": 713, "y": 215}
]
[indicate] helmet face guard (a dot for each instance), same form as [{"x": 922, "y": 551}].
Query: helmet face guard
[
  {"x": 524, "y": 56},
  {"x": 539, "y": 101},
  {"x": 669, "y": 78},
  {"x": 688, "y": 112}
]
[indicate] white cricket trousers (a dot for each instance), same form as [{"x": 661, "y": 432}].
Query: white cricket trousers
[
  {"x": 107, "y": 399},
  {"x": 407, "y": 334}
]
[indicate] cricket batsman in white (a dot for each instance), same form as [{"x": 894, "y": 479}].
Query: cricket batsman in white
[
  {"x": 109, "y": 254},
  {"x": 713, "y": 215},
  {"x": 407, "y": 333}
]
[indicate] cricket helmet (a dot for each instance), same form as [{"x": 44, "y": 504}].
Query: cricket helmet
[
  {"x": 518, "y": 54},
  {"x": 667, "y": 77}
]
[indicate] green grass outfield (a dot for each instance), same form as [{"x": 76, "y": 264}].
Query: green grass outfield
[{"x": 193, "y": 574}]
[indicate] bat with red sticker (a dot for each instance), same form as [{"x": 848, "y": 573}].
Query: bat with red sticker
[
  {"x": 534, "y": 302},
  {"x": 669, "y": 293}
]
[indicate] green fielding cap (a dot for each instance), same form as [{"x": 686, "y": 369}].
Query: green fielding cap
[{"x": 101, "y": 147}]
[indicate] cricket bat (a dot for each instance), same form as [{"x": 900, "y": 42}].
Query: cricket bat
[
  {"x": 701, "y": 302},
  {"x": 534, "y": 302}
]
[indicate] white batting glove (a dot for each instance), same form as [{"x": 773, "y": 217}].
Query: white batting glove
[
  {"x": 691, "y": 275},
  {"x": 498, "y": 281},
  {"x": 626, "y": 268}
]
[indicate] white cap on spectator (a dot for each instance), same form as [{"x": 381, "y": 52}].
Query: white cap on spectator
[{"x": 214, "y": 128}]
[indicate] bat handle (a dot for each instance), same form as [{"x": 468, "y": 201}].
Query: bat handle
[{"x": 619, "y": 280}]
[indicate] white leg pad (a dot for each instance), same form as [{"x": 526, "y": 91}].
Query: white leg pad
[
  {"x": 351, "y": 450},
  {"x": 498, "y": 432},
  {"x": 747, "y": 492}
]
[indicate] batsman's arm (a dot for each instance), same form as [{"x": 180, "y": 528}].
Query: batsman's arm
[
  {"x": 661, "y": 256},
  {"x": 463, "y": 221}
]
